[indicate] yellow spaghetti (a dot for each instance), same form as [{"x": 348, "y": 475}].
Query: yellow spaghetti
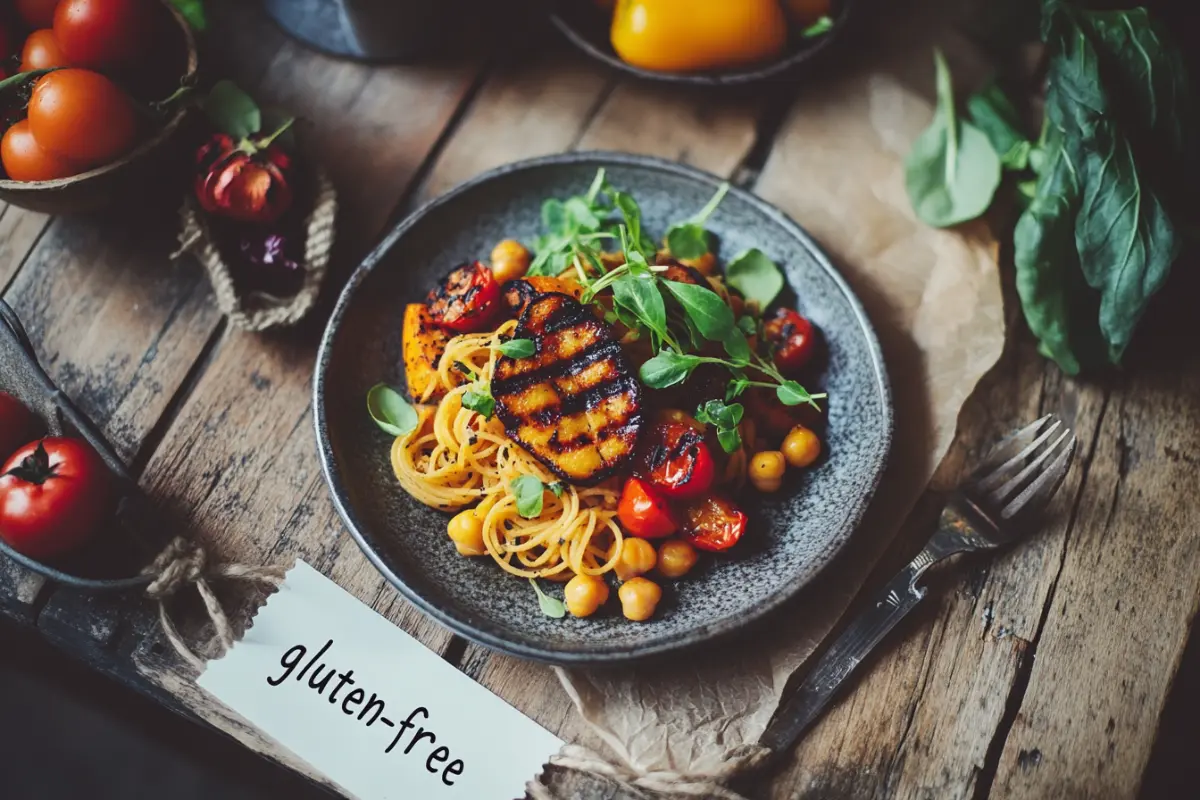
[{"x": 457, "y": 458}]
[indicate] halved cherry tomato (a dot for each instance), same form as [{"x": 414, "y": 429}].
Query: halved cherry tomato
[
  {"x": 714, "y": 523},
  {"x": 792, "y": 340},
  {"x": 644, "y": 512},
  {"x": 18, "y": 425},
  {"x": 466, "y": 300},
  {"x": 674, "y": 457}
]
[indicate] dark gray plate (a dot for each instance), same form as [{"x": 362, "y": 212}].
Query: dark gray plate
[{"x": 792, "y": 535}]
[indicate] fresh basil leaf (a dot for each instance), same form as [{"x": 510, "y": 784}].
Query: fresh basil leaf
[
  {"x": 193, "y": 12},
  {"x": 730, "y": 440},
  {"x": 952, "y": 172},
  {"x": 581, "y": 216},
  {"x": 687, "y": 240},
  {"x": 232, "y": 111},
  {"x": 756, "y": 276},
  {"x": 529, "y": 493},
  {"x": 391, "y": 412},
  {"x": 554, "y": 217},
  {"x": 994, "y": 114},
  {"x": 747, "y": 325},
  {"x": 551, "y": 606},
  {"x": 705, "y": 307},
  {"x": 518, "y": 348},
  {"x": 640, "y": 296},
  {"x": 667, "y": 369},
  {"x": 558, "y": 488},
  {"x": 822, "y": 26},
  {"x": 791, "y": 393},
  {"x": 737, "y": 347},
  {"x": 481, "y": 403}
]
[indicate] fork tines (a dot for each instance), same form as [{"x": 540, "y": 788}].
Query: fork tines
[{"x": 1025, "y": 469}]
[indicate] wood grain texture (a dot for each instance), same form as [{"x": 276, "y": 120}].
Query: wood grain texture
[{"x": 19, "y": 232}]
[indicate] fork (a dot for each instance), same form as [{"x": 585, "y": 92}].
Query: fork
[{"x": 994, "y": 507}]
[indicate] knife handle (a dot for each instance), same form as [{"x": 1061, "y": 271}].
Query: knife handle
[{"x": 890, "y": 605}]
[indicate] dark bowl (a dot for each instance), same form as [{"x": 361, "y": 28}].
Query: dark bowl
[
  {"x": 587, "y": 27},
  {"x": 793, "y": 534},
  {"x": 114, "y": 558}
]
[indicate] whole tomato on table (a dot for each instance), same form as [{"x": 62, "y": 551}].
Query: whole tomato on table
[
  {"x": 105, "y": 34},
  {"x": 82, "y": 117},
  {"x": 18, "y": 425},
  {"x": 53, "y": 495}
]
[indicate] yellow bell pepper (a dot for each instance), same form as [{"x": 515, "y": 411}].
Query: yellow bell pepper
[{"x": 692, "y": 35}]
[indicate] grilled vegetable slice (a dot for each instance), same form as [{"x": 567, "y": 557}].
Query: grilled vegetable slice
[
  {"x": 575, "y": 404},
  {"x": 424, "y": 342}
]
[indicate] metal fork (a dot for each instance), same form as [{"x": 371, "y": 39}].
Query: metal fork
[{"x": 995, "y": 507}]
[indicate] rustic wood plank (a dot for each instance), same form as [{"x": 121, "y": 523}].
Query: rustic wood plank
[{"x": 19, "y": 232}]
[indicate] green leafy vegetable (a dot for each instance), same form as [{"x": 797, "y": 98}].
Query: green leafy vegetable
[
  {"x": 822, "y": 26},
  {"x": 952, "y": 172},
  {"x": 756, "y": 276},
  {"x": 690, "y": 239},
  {"x": 193, "y": 12},
  {"x": 747, "y": 325},
  {"x": 712, "y": 315},
  {"x": 640, "y": 296},
  {"x": 391, "y": 412},
  {"x": 726, "y": 419},
  {"x": 668, "y": 369},
  {"x": 518, "y": 348},
  {"x": 737, "y": 347},
  {"x": 558, "y": 488},
  {"x": 529, "y": 493},
  {"x": 232, "y": 111},
  {"x": 480, "y": 401},
  {"x": 551, "y": 606},
  {"x": 791, "y": 393},
  {"x": 994, "y": 114}
]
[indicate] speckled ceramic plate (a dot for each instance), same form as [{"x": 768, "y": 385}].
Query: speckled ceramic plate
[{"x": 793, "y": 534}]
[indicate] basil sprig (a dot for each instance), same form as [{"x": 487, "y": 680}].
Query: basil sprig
[
  {"x": 551, "y": 606},
  {"x": 530, "y": 495},
  {"x": 391, "y": 412},
  {"x": 518, "y": 348}
]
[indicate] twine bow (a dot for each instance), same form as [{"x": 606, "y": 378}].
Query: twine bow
[
  {"x": 708, "y": 785},
  {"x": 185, "y": 563}
]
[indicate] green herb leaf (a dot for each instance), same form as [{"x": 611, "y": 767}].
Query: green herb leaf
[
  {"x": 193, "y": 12},
  {"x": 737, "y": 347},
  {"x": 819, "y": 28},
  {"x": 994, "y": 114},
  {"x": 952, "y": 172},
  {"x": 668, "y": 368},
  {"x": 687, "y": 240},
  {"x": 730, "y": 440},
  {"x": 580, "y": 215},
  {"x": 558, "y": 488},
  {"x": 481, "y": 402},
  {"x": 747, "y": 325},
  {"x": 529, "y": 493},
  {"x": 391, "y": 412},
  {"x": 712, "y": 315},
  {"x": 232, "y": 111},
  {"x": 551, "y": 606},
  {"x": 518, "y": 348},
  {"x": 726, "y": 419},
  {"x": 736, "y": 388},
  {"x": 554, "y": 217},
  {"x": 791, "y": 393},
  {"x": 640, "y": 296},
  {"x": 756, "y": 276}
]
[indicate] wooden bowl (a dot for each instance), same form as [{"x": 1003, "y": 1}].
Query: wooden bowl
[{"x": 144, "y": 166}]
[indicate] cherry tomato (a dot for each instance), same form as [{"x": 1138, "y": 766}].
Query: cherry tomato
[
  {"x": 466, "y": 300},
  {"x": 104, "y": 34},
  {"x": 41, "y": 51},
  {"x": 674, "y": 457},
  {"x": 53, "y": 494},
  {"x": 772, "y": 416},
  {"x": 644, "y": 512},
  {"x": 25, "y": 160},
  {"x": 714, "y": 523},
  {"x": 792, "y": 340},
  {"x": 36, "y": 13},
  {"x": 18, "y": 425},
  {"x": 81, "y": 116}
]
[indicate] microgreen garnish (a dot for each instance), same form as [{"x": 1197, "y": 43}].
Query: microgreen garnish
[
  {"x": 529, "y": 493},
  {"x": 479, "y": 399},
  {"x": 551, "y": 606},
  {"x": 690, "y": 239},
  {"x": 558, "y": 488},
  {"x": 726, "y": 419},
  {"x": 518, "y": 348},
  {"x": 822, "y": 26},
  {"x": 391, "y": 412},
  {"x": 754, "y": 275}
]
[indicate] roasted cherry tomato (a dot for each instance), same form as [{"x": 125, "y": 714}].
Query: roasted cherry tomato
[
  {"x": 674, "y": 457},
  {"x": 41, "y": 51},
  {"x": 791, "y": 338},
  {"x": 82, "y": 117},
  {"x": 644, "y": 512},
  {"x": 53, "y": 495},
  {"x": 772, "y": 416},
  {"x": 713, "y": 523},
  {"x": 36, "y": 13},
  {"x": 466, "y": 300},
  {"x": 25, "y": 160},
  {"x": 18, "y": 425},
  {"x": 105, "y": 34}
]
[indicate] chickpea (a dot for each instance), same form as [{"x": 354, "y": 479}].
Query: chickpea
[
  {"x": 639, "y": 598},
  {"x": 801, "y": 447},
  {"x": 466, "y": 531},
  {"x": 585, "y": 594},
  {"x": 637, "y": 558},
  {"x": 510, "y": 260},
  {"x": 766, "y": 470},
  {"x": 676, "y": 558}
]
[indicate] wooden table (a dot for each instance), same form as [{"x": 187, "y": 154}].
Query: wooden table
[{"x": 1041, "y": 673}]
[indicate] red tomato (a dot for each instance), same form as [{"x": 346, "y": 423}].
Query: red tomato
[
  {"x": 643, "y": 512},
  {"x": 466, "y": 300},
  {"x": 792, "y": 340},
  {"x": 714, "y": 523},
  {"x": 41, "y": 51},
  {"x": 674, "y": 457},
  {"x": 53, "y": 494},
  {"x": 36, "y": 13},
  {"x": 81, "y": 116},
  {"x": 25, "y": 160},
  {"x": 104, "y": 34},
  {"x": 18, "y": 425},
  {"x": 772, "y": 416}
]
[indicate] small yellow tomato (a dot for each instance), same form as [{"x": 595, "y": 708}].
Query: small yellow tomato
[
  {"x": 466, "y": 531},
  {"x": 766, "y": 470},
  {"x": 585, "y": 594},
  {"x": 676, "y": 558},
  {"x": 510, "y": 260},
  {"x": 639, "y": 598},
  {"x": 692, "y": 35},
  {"x": 801, "y": 446},
  {"x": 637, "y": 558}
]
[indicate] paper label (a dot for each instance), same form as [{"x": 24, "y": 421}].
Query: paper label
[{"x": 371, "y": 707}]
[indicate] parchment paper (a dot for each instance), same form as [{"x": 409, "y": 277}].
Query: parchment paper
[{"x": 935, "y": 300}]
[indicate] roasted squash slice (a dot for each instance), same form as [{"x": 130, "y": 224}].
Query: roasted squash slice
[{"x": 424, "y": 342}]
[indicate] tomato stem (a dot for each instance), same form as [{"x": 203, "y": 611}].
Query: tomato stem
[{"x": 34, "y": 468}]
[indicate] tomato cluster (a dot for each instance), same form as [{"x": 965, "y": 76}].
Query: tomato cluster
[
  {"x": 53, "y": 491},
  {"x": 77, "y": 117}
]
